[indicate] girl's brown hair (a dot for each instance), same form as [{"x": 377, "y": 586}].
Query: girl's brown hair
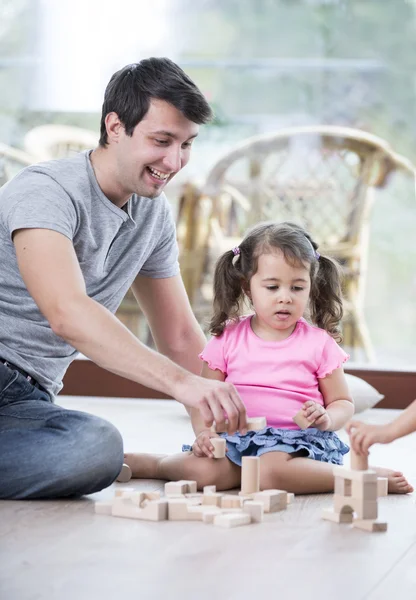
[{"x": 235, "y": 268}]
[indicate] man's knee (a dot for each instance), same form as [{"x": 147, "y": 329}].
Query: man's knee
[
  {"x": 99, "y": 456},
  {"x": 73, "y": 454}
]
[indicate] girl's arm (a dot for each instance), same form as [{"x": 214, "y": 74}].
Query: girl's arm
[
  {"x": 338, "y": 403},
  {"x": 363, "y": 435}
]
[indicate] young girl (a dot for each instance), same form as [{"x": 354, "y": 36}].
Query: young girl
[
  {"x": 279, "y": 364},
  {"x": 364, "y": 435}
]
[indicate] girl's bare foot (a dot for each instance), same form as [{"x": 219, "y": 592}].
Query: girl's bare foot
[
  {"x": 144, "y": 466},
  {"x": 397, "y": 482}
]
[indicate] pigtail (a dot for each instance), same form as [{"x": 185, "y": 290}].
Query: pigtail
[
  {"x": 326, "y": 297},
  {"x": 228, "y": 291}
]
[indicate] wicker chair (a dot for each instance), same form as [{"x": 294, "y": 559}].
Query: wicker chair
[
  {"x": 321, "y": 177},
  {"x": 12, "y": 160},
  {"x": 57, "y": 141}
]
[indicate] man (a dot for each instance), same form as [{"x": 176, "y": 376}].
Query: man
[{"x": 76, "y": 233}]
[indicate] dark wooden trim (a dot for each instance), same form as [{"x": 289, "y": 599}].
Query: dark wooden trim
[
  {"x": 85, "y": 378},
  {"x": 398, "y": 387}
]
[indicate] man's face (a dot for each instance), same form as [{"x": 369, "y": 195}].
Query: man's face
[{"x": 158, "y": 149}]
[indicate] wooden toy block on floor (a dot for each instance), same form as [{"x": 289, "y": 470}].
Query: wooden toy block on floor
[
  {"x": 124, "y": 506},
  {"x": 219, "y": 447},
  {"x": 125, "y": 474},
  {"x": 213, "y": 499},
  {"x": 232, "y": 520},
  {"x": 250, "y": 475},
  {"x": 182, "y": 487},
  {"x": 356, "y": 492},
  {"x": 255, "y": 510},
  {"x": 209, "y": 489},
  {"x": 358, "y": 462},
  {"x": 253, "y": 424},
  {"x": 183, "y": 510},
  {"x": 301, "y": 421},
  {"x": 231, "y": 501},
  {"x": 382, "y": 486},
  {"x": 272, "y": 500}
]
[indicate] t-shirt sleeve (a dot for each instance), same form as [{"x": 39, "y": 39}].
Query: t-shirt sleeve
[
  {"x": 35, "y": 200},
  {"x": 333, "y": 357},
  {"x": 213, "y": 354},
  {"x": 164, "y": 259}
]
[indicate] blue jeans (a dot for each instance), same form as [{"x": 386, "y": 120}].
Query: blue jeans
[{"x": 47, "y": 451}]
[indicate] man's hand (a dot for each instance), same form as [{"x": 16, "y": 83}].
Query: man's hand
[
  {"x": 202, "y": 446},
  {"x": 317, "y": 415},
  {"x": 216, "y": 401},
  {"x": 363, "y": 435}
]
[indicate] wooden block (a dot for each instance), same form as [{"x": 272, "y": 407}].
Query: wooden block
[
  {"x": 230, "y": 501},
  {"x": 290, "y": 497},
  {"x": 272, "y": 500},
  {"x": 250, "y": 475},
  {"x": 122, "y": 491},
  {"x": 340, "y": 471},
  {"x": 253, "y": 424},
  {"x": 342, "y": 486},
  {"x": 369, "y": 525},
  {"x": 364, "y": 509},
  {"x": 157, "y": 510},
  {"x": 232, "y": 520},
  {"x": 125, "y": 474},
  {"x": 212, "y": 499},
  {"x": 382, "y": 486},
  {"x": 192, "y": 487},
  {"x": 366, "y": 490},
  {"x": 209, "y": 489},
  {"x": 335, "y": 517},
  {"x": 209, "y": 516},
  {"x": 301, "y": 421},
  {"x": 197, "y": 496},
  {"x": 182, "y": 487},
  {"x": 256, "y": 423},
  {"x": 177, "y": 510},
  {"x": 358, "y": 462},
  {"x": 103, "y": 508},
  {"x": 175, "y": 488},
  {"x": 246, "y": 496},
  {"x": 255, "y": 510},
  {"x": 219, "y": 447}
]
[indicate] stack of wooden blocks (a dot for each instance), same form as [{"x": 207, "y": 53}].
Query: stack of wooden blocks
[
  {"x": 182, "y": 502},
  {"x": 357, "y": 491}
]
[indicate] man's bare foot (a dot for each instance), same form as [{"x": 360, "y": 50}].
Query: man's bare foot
[
  {"x": 397, "y": 483},
  {"x": 144, "y": 466}
]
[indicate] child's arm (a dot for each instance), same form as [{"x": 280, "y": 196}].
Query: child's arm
[
  {"x": 202, "y": 445},
  {"x": 338, "y": 403},
  {"x": 363, "y": 435}
]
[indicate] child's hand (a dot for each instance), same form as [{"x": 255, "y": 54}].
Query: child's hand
[
  {"x": 363, "y": 435},
  {"x": 202, "y": 446},
  {"x": 317, "y": 415}
]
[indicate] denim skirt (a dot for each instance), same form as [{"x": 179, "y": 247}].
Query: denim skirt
[{"x": 312, "y": 443}]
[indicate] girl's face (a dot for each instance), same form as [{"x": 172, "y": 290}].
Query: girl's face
[{"x": 279, "y": 293}]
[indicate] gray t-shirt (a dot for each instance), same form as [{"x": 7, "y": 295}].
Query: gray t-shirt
[{"x": 112, "y": 245}]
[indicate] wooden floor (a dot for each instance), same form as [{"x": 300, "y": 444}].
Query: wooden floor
[{"x": 61, "y": 550}]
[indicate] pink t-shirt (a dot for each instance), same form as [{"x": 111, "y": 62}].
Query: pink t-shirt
[{"x": 274, "y": 379}]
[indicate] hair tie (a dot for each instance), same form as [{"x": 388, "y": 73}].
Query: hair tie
[
  {"x": 236, "y": 251},
  {"x": 317, "y": 255}
]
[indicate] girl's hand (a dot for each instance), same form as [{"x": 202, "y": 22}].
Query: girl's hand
[
  {"x": 202, "y": 445},
  {"x": 317, "y": 415},
  {"x": 363, "y": 435}
]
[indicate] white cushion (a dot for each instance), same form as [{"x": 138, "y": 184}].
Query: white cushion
[{"x": 364, "y": 395}]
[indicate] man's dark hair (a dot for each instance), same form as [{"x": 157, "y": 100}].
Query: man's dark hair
[{"x": 131, "y": 89}]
